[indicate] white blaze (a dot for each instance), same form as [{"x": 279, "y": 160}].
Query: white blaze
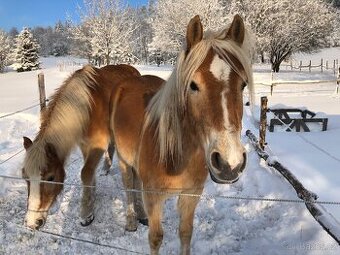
[
  {"x": 33, "y": 202},
  {"x": 228, "y": 140},
  {"x": 220, "y": 69}
]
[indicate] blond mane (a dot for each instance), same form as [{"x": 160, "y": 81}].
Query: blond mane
[
  {"x": 64, "y": 119},
  {"x": 168, "y": 105}
]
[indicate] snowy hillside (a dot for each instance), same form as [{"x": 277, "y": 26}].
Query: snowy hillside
[{"x": 221, "y": 225}]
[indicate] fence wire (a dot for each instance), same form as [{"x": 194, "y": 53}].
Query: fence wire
[
  {"x": 19, "y": 111},
  {"x": 177, "y": 192},
  {"x": 12, "y": 156},
  {"x": 61, "y": 236}
]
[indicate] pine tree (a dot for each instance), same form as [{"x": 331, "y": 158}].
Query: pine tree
[{"x": 26, "y": 52}]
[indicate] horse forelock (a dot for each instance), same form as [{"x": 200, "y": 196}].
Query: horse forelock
[
  {"x": 166, "y": 109},
  {"x": 35, "y": 159}
]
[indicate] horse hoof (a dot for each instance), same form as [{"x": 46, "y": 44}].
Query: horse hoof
[
  {"x": 87, "y": 221},
  {"x": 144, "y": 222},
  {"x": 131, "y": 227}
]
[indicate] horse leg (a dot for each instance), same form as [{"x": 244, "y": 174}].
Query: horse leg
[
  {"x": 186, "y": 207},
  {"x": 127, "y": 177},
  {"x": 154, "y": 207},
  {"x": 92, "y": 158},
  {"x": 108, "y": 159},
  {"x": 138, "y": 199}
]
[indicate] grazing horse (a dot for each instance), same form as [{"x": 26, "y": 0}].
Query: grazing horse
[
  {"x": 169, "y": 135},
  {"x": 78, "y": 114}
]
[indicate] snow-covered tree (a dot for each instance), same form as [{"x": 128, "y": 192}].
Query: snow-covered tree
[
  {"x": 335, "y": 3},
  {"x": 142, "y": 32},
  {"x": 25, "y": 52},
  {"x": 105, "y": 30},
  {"x": 283, "y": 27},
  {"x": 53, "y": 40},
  {"x": 172, "y": 16},
  {"x": 4, "y": 49}
]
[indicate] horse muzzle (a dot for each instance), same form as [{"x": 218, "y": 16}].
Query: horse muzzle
[
  {"x": 35, "y": 220},
  {"x": 220, "y": 170}
]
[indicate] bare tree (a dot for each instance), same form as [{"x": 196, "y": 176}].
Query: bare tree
[
  {"x": 172, "y": 16},
  {"x": 4, "y": 49},
  {"x": 283, "y": 27},
  {"x": 105, "y": 30}
]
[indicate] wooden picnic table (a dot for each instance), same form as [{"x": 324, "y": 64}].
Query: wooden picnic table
[{"x": 305, "y": 116}]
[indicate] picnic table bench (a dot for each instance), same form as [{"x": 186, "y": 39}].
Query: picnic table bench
[{"x": 283, "y": 116}]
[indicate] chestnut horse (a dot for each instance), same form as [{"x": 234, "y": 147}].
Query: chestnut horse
[
  {"x": 170, "y": 135},
  {"x": 78, "y": 114}
]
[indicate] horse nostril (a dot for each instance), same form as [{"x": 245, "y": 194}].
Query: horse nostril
[
  {"x": 217, "y": 161},
  {"x": 39, "y": 223}
]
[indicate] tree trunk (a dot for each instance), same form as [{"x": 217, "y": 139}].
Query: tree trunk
[
  {"x": 262, "y": 57},
  {"x": 276, "y": 59},
  {"x": 107, "y": 56},
  {"x": 276, "y": 67}
]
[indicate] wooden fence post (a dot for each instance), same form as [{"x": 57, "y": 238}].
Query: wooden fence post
[
  {"x": 263, "y": 122},
  {"x": 42, "y": 93},
  {"x": 310, "y": 65},
  {"x": 271, "y": 83},
  {"x": 334, "y": 69},
  {"x": 338, "y": 82},
  {"x": 300, "y": 65},
  {"x": 321, "y": 65},
  {"x": 326, "y": 64}
]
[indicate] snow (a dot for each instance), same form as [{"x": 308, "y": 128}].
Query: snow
[{"x": 221, "y": 225}]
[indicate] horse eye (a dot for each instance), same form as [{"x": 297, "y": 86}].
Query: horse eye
[
  {"x": 50, "y": 179},
  {"x": 193, "y": 86},
  {"x": 244, "y": 84}
]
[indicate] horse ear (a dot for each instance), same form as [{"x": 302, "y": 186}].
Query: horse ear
[
  {"x": 236, "y": 30},
  {"x": 51, "y": 152},
  {"x": 27, "y": 142},
  {"x": 194, "y": 32}
]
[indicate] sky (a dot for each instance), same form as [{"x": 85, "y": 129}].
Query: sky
[{"x": 31, "y": 13}]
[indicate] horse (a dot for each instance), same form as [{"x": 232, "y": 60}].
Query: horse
[
  {"x": 170, "y": 135},
  {"x": 77, "y": 114}
]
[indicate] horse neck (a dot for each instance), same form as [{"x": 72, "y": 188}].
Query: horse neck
[
  {"x": 62, "y": 132},
  {"x": 190, "y": 142}
]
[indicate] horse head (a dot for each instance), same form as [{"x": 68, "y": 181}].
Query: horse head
[
  {"x": 214, "y": 95},
  {"x": 45, "y": 173}
]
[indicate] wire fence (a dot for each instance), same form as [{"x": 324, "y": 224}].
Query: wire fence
[
  {"x": 171, "y": 191},
  {"x": 181, "y": 192},
  {"x": 77, "y": 239},
  {"x": 19, "y": 111},
  {"x": 324, "y": 65}
]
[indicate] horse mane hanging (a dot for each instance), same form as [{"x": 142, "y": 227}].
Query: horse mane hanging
[{"x": 68, "y": 110}]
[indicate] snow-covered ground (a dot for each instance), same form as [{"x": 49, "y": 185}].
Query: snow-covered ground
[{"x": 221, "y": 226}]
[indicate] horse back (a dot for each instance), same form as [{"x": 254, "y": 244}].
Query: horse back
[
  {"x": 128, "y": 104},
  {"x": 106, "y": 79}
]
